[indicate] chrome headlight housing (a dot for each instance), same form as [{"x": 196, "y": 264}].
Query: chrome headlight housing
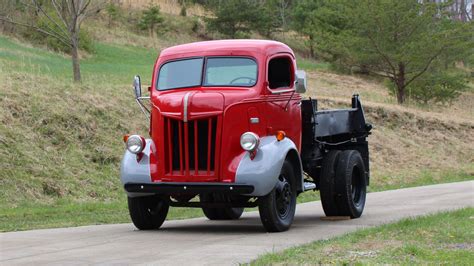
[
  {"x": 135, "y": 144},
  {"x": 249, "y": 141}
]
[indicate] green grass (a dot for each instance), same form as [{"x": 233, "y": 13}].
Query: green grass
[
  {"x": 445, "y": 238},
  {"x": 109, "y": 65},
  {"x": 311, "y": 65}
]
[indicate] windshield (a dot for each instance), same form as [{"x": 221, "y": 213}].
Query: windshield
[
  {"x": 180, "y": 74},
  {"x": 219, "y": 71},
  {"x": 230, "y": 72}
]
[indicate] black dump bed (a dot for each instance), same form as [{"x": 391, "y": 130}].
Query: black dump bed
[{"x": 326, "y": 130}]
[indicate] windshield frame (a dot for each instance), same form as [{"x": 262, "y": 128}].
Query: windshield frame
[{"x": 204, "y": 67}]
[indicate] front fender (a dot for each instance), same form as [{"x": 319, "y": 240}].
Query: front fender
[
  {"x": 133, "y": 171},
  {"x": 262, "y": 172}
]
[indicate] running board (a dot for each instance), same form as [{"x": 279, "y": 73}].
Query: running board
[{"x": 309, "y": 186}]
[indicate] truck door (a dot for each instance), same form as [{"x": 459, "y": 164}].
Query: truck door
[{"x": 283, "y": 103}]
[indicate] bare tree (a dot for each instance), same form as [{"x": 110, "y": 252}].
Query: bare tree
[
  {"x": 67, "y": 17},
  {"x": 283, "y": 8}
]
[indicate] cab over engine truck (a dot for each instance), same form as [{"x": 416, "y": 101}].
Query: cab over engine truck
[{"x": 230, "y": 130}]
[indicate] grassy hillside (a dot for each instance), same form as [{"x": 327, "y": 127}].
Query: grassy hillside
[{"x": 60, "y": 143}]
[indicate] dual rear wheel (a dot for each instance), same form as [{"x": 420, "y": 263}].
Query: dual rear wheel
[{"x": 343, "y": 184}]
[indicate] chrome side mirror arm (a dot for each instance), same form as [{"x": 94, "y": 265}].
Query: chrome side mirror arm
[{"x": 144, "y": 109}]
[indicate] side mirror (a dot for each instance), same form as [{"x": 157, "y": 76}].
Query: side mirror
[
  {"x": 300, "y": 81},
  {"x": 137, "y": 86}
]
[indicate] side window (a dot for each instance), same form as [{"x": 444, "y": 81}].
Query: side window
[{"x": 279, "y": 72}]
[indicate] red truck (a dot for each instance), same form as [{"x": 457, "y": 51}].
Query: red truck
[{"x": 230, "y": 130}]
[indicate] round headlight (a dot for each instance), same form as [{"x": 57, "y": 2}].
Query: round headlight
[
  {"x": 249, "y": 141},
  {"x": 136, "y": 144}
]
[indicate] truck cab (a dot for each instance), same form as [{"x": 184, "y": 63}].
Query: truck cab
[{"x": 226, "y": 133}]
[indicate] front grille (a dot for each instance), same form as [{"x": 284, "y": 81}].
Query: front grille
[{"x": 190, "y": 147}]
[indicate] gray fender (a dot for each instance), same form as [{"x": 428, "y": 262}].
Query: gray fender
[
  {"x": 132, "y": 171},
  {"x": 262, "y": 172}
]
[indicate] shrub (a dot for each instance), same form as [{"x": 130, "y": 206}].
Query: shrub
[
  {"x": 183, "y": 11},
  {"x": 150, "y": 19},
  {"x": 435, "y": 88},
  {"x": 113, "y": 13}
]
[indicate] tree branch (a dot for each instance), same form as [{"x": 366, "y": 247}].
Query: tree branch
[
  {"x": 379, "y": 71},
  {"x": 381, "y": 53},
  {"x": 52, "y": 34},
  {"x": 38, "y": 6},
  {"x": 427, "y": 65},
  {"x": 58, "y": 11}
]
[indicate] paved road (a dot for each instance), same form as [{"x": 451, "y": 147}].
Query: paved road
[{"x": 199, "y": 241}]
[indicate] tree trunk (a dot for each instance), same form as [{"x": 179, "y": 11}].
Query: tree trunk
[
  {"x": 76, "y": 69},
  {"x": 400, "y": 82}
]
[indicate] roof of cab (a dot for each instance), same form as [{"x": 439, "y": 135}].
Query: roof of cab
[{"x": 265, "y": 47}]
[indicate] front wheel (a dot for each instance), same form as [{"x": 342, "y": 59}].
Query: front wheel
[
  {"x": 147, "y": 212},
  {"x": 277, "y": 209}
]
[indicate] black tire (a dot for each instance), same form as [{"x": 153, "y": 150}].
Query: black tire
[
  {"x": 277, "y": 209},
  {"x": 219, "y": 213},
  {"x": 351, "y": 184},
  {"x": 327, "y": 183},
  {"x": 147, "y": 212}
]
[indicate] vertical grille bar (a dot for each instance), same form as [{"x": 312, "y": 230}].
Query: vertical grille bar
[
  {"x": 196, "y": 157},
  {"x": 209, "y": 137},
  {"x": 170, "y": 146},
  {"x": 180, "y": 129},
  {"x": 186, "y": 148},
  {"x": 217, "y": 139}
]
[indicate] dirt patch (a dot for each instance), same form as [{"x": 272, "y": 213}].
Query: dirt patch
[{"x": 460, "y": 246}]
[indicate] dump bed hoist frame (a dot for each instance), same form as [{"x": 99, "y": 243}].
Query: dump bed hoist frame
[{"x": 338, "y": 129}]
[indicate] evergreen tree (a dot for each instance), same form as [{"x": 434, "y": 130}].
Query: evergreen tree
[
  {"x": 402, "y": 40},
  {"x": 235, "y": 18},
  {"x": 319, "y": 21},
  {"x": 151, "y": 18}
]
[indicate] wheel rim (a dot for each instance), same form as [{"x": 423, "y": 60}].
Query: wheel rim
[
  {"x": 283, "y": 197},
  {"x": 154, "y": 207},
  {"x": 356, "y": 186}
]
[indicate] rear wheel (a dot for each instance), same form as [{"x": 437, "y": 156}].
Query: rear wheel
[
  {"x": 350, "y": 184},
  {"x": 327, "y": 183},
  {"x": 220, "y": 213},
  {"x": 147, "y": 212},
  {"x": 277, "y": 209}
]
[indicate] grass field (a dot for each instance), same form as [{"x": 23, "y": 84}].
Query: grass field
[
  {"x": 445, "y": 238},
  {"x": 60, "y": 143}
]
